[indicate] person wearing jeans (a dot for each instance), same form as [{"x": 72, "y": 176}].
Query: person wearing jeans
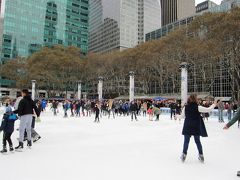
[
  {"x": 197, "y": 141},
  {"x": 194, "y": 125}
]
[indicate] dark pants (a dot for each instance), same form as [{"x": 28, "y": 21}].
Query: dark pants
[
  {"x": 173, "y": 112},
  {"x": 78, "y": 112},
  {"x": 54, "y": 111},
  {"x": 133, "y": 113},
  {"x": 65, "y": 113},
  {"x": 97, "y": 117},
  {"x": 7, "y": 138},
  {"x": 144, "y": 113},
  {"x": 197, "y": 141},
  {"x": 157, "y": 117}
]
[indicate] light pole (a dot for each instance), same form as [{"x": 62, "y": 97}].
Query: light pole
[
  {"x": 131, "y": 87},
  {"x": 184, "y": 82},
  {"x": 100, "y": 88},
  {"x": 33, "y": 89},
  {"x": 79, "y": 94}
]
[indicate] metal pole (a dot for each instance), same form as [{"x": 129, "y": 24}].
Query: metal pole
[
  {"x": 184, "y": 82},
  {"x": 33, "y": 89},
  {"x": 100, "y": 88},
  {"x": 131, "y": 87}
]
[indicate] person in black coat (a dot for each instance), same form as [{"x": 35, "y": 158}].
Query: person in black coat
[
  {"x": 133, "y": 109},
  {"x": 25, "y": 112},
  {"x": 97, "y": 113},
  {"x": 173, "y": 107},
  {"x": 7, "y": 126},
  {"x": 194, "y": 125}
]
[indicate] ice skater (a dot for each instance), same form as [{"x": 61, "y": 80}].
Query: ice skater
[
  {"x": 111, "y": 108},
  {"x": 173, "y": 107},
  {"x": 232, "y": 122},
  {"x": 133, "y": 110},
  {"x": 150, "y": 114},
  {"x": 25, "y": 112},
  {"x": 7, "y": 126},
  {"x": 157, "y": 112},
  {"x": 220, "y": 112},
  {"x": 97, "y": 113},
  {"x": 194, "y": 125}
]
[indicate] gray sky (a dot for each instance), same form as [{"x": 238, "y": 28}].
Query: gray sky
[{"x": 216, "y": 1}]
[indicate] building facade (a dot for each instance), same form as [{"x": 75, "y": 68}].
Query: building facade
[
  {"x": 29, "y": 25},
  {"x": 121, "y": 24},
  {"x": 173, "y": 10},
  {"x": 205, "y": 6},
  {"x": 164, "y": 30}
]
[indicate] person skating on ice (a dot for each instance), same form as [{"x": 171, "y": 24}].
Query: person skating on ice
[
  {"x": 194, "y": 125},
  {"x": 25, "y": 113},
  {"x": 150, "y": 113},
  {"x": 97, "y": 113},
  {"x": 7, "y": 126},
  {"x": 235, "y": 119},
  {"x": 173, "y": 107},
  {"x": 157, "y": 112},
  {"x": 133, "y": 110}
]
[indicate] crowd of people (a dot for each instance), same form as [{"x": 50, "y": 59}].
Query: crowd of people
[
  {"x": 114, "y": 108},
  {"x": 150, "y": 108},
  {"x": 194, "y": 112}
]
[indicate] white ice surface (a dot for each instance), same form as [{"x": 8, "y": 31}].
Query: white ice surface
[{"x": 118, "y": 149}]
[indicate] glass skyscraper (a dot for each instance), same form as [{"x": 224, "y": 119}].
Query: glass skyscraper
[
  {"x": 30, "y": 24},
  {"x": 121, "y": 24}
]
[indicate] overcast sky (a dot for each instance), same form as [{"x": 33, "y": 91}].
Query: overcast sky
[{"x": 216, "y": 1}]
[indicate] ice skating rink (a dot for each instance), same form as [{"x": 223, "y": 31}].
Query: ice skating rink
[{"x": 118, "y": 149}]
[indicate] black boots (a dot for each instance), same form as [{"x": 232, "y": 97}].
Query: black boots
[
  {"x": 29, "y": 144},
  {"x": 19, "y": 147},
  {"x": 11, "y": 149},
  {"x": 4, "y": 150},
  {"x": 183, "y": 157},
  {"x": 201, "y": 158}
]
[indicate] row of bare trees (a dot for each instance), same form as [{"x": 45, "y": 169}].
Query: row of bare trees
[{"x": 209, "y": 39}]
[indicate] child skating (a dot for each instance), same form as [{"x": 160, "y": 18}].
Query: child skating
[{"x": 7, "y": 126}]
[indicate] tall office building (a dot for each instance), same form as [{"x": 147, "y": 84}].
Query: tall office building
[
  {"x": 30, "y": 24},
  {"x": 173, "y": 10},
  {"x": 205, "y": 6},
  {"x": 121, "y": 24},
  {"x": 0, "y": 5}
]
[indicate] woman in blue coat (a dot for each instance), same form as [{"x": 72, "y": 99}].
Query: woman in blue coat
[{"x": 194, "y": 125}]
